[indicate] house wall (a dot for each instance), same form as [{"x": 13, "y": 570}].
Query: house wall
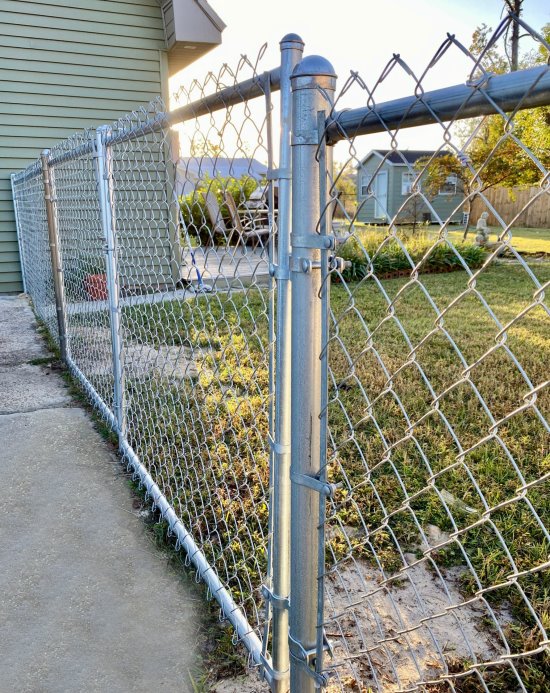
[
  {"x": 444, "y": 205},
  {"x": 66, "y": 65}
]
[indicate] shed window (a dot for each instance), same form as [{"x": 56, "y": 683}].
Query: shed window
[
  {"x": 449, "y": 187},
  {"x": 365, "y": 182},
  {"x": 407, "y": 180}
]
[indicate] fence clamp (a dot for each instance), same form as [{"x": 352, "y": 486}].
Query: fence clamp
[
  {"x": 314, "y": 483},
  {"x": 313, "y": 240},
  {"x": 307, "y": 659},
  {"x": 278, "y": 174},
  {"x": 276, "y": 601}
]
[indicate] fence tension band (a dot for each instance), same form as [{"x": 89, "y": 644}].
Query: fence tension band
[
  {"x": 313, "y": 240},
  {"x": 314, "y": 483},
  {"x": 306, "y": 660},
  {"x": 276, "y": 601},
  {"x": 278, "y": 174},
  {"x": 274, "y": 675}
]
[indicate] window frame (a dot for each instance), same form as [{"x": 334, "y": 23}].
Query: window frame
[
  {"x": 450, "y": 193},
  {"x": 412, "y": 177},
  {"x": 365, "y": 176}
]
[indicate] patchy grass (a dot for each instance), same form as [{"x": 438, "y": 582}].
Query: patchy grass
[
  {"x": 205, "y": 440},
  {"x": 391, "y": 442}
]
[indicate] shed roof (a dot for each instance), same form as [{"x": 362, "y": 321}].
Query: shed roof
[
  {"x": 191, "y": 169},
  {"x": 402, "y": 157}
]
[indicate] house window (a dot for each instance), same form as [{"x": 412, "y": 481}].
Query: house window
[
  {"x": 365, "y": 182},
  {"x": 407, "y": 180},
  {"x": 449, "y": 187}
]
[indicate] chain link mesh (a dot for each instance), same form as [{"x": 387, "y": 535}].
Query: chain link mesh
[
  {"x": 437, "y": 537},
  {"x": 34, "y": 243},
  {"x": 194, "y": 238}
]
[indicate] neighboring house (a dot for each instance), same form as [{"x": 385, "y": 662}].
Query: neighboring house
[
  {"x": 191, "y": 169},
  {"x": 71, "y": 64},
  {"x": 384, "y": 181}
]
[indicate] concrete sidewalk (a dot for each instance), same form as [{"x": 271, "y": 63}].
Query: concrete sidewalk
[{"x": 87, "y": 603}]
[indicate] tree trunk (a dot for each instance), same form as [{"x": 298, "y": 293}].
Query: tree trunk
[{"x": 515, "y": 7}]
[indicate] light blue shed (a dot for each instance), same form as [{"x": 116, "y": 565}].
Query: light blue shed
[{"x": 384, "y": 186}]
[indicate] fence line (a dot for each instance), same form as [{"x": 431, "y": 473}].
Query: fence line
[
  {"x": 370, "y": 513},
  {"x": 519, "y": 206}
]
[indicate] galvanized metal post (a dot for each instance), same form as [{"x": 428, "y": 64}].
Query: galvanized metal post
[
  {"x": 313, "y": 85},
  {"x": 55, "y": 255},
  {"x": 106, "y": 202},
  {"x": 292, "y": 48}
]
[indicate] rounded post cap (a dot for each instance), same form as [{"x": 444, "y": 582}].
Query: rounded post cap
[
  {"x": 314, "y": 66},
  {"x": 45, "y": 152},
  {"x": 289, "y": 39}
]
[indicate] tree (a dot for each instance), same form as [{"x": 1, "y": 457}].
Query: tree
[
  {"x": 345, "y": 187},
  {"x": 515, "y": 6},
  {"x": 491, "y": 151}
]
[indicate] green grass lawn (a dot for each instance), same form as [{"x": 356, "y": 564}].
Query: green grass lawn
[
  {"x": 524, "y": 240},
  {"x": 381, "y": 466},
  {"x": 205, "y": 438}
]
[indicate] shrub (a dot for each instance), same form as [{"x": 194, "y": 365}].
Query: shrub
[{"x": 372, "y": 251}]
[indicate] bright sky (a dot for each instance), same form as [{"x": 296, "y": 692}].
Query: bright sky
[{"x": 362, "y": 35}]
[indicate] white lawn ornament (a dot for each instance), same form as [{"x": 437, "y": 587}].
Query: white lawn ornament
[{"x": 482, "y": 232}]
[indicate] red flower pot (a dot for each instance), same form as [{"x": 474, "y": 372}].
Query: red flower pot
[{"x": 95, "y": 286}]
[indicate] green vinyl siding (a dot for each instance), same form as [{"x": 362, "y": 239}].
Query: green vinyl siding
[{"x": 66, "y": 65}]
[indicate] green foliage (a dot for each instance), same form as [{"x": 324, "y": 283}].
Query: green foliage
[
  {"x": 194, "y": 210},
  {"x": 492, "y": 146},
  {"x": 367, "y": 252}
]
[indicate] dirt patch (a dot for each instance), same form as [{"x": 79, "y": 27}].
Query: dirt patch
[
  {"x": 91, "y": 347},
  {"x": 243, "y": 684},
  {"x": 401, "y": 632}
]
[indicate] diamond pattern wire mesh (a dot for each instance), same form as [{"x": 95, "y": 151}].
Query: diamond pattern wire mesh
[
  {"x": 193, "y": 247},
  {"x": 82, "y": 249},
  {"x": 437, "y": 537},
  {"x": 34, "y": 243},
  {"x": 196, "y": 345}
]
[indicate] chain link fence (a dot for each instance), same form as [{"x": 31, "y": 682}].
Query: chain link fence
[
  {"x": 437, "y": 533},
  {"x": 373, "y": 442}
]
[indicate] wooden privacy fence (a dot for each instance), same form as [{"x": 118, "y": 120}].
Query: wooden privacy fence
[{"x": 532, "y": 205}]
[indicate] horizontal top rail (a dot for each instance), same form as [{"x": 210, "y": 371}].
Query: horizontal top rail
[
  {"x": 230, "y": 96},
  {"x": 509, "y": 92}
]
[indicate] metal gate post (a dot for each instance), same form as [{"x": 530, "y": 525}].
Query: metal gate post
[
  {"x": 106, "y": 202},
  {"x": 313, "y": 85},
  {"x": 292, "y": 48},
  {"x": 55, "y": 255}
]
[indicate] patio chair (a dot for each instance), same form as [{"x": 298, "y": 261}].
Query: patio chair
[{"x": 247, "y": 228}]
